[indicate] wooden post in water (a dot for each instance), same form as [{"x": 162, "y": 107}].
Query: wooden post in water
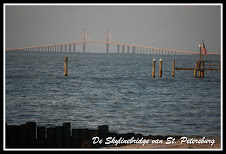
[
  {"x": 160, "y": 67},
  {"x": 65, "y": 66},
  {"x": 153, "y": 68},
  {"x": 202, "y": 67},
  {"x": 195, "y": 72},
  {"x": 199, "y": 67},
  {"x": 200, "y": 52},
  {"x": 173, "y": 71}
]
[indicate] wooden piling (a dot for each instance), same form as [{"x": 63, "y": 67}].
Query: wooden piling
[
  {"x": 65, "y": 66},
  {"x": 31, "y": 133},
  {"x": 103, "y": 132},
  {"x": 173, "y": 70},
  {"x": 41, "y": 140},
  {"x": 84, "y": 138},
  {"x": 67, "y": 133},
  {"x": 160, "y": 67},
  {"x": 59, "y": 136},
  {"x": 198, "y": 64},
  {"x": 12, "y": 136},
  {"x": 195, "y": 72},
  {"x": 51, "y": 137},
  {"x": 153, "y": 68},
  {"x": 22, "y": 135},
  {"x": 202, "y": 67},
  {"x": 76, "y": 139}
]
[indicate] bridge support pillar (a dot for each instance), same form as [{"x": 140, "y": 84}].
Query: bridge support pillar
[
  {"x": 69, "y": 47},
  {"x": 127, "y": 49},
  {"x": 65, "y": 48},
  {"x": 74, "y": 47},
  {"x": 84, "y": 47},
  {"x": 107, "y": 47},
  {"x": 118, "y": 46}
]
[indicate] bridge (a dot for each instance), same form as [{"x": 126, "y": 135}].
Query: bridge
[{"x": 125, "y": 48}]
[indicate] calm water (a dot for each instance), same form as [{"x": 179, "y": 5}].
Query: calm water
[{"x": 115, "y": 89}]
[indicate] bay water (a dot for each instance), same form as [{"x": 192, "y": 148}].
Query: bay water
[{"x": 112, "y": 89}]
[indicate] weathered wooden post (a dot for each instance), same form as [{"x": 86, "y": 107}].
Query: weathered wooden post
[
  {"x": 67, "y": 134},
  {"x": 65, "y": 66},
  {"x": 76, "y": 139},
  {"x": 153, "y": 68},
  {"x": 84, "y": 137},
  {"x": 12, "y": 136},
  {"x": 41, "y": 136},
  {"x": 31, "y": 134},
  {"x": 23, "y": 135},
  {"x": 195, "y": 72},
  {"x": 51, "y": 137},
  {"x": 160, "y": 67},
  {"x": 198, "y": 64},
  {"x": 203, "y": 67},
  {"x": 173, "y": 68},
  {"x": 59, "y": 136},
  {"x": 103, "y": 132}
]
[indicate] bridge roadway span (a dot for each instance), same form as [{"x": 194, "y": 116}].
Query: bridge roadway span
[{"x": 107, "y": 46}]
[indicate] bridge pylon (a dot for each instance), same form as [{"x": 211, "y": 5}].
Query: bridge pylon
[
  {"x": 84, "y": 37},
  {"x": 107, "y": 44}
]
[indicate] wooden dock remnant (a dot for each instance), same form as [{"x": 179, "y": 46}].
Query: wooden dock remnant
[{"x": 200, "y": 67}]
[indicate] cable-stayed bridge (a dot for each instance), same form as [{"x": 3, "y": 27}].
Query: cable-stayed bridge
[{"x": 121, "y": 47}]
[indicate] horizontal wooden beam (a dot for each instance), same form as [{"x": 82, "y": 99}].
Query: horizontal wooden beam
[
  {"x": 197, "y": 69},
  {"x": 185, "y": 68}
]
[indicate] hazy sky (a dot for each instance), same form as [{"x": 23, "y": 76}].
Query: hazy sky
[{"x": 173, "y": 27}]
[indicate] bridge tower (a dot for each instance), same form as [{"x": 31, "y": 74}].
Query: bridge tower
[
  {"x": 84, "y": 40},
  {"x": 107, "y": 44}
]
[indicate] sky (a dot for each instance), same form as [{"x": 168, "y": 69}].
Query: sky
[{"x": 179, "y": 27}]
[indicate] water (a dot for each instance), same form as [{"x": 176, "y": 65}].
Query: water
[{"x": 112, "y": 89}]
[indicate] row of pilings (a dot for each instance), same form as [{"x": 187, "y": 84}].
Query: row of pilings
[{"x": 29, "y": 135}]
